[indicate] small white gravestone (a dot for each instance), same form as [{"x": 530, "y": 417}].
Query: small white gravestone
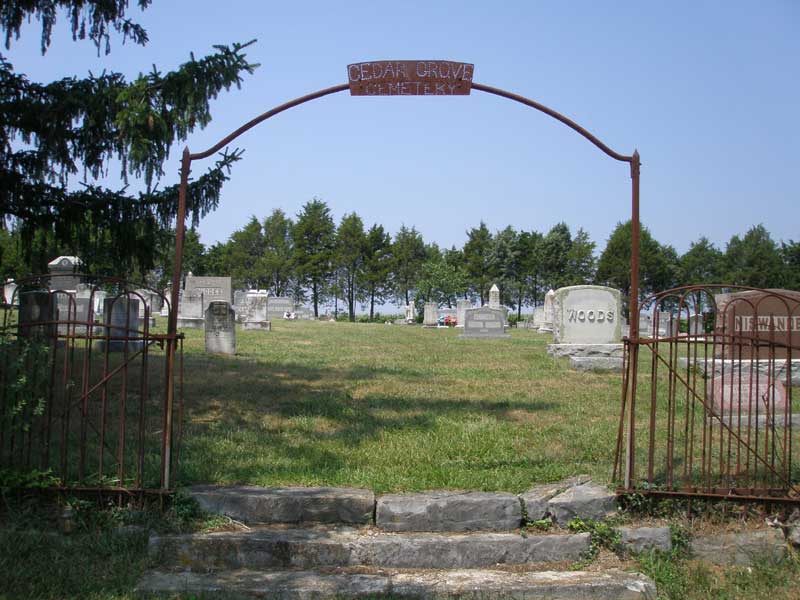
[
  {"x": 410, "y": 316},
  {"x": 645, "y": 325},
  {"x": 190, "y": 311},
  {"x": 549, "y": 316},
  {"x": 431, "y": 317},
  {"x": 588, "y": 327},
  {"x": 462, "y": 306},
  {"x": 220, "y": 328},
  {"x": 484, "y": 322},
  {"x": 494, "y": 297},
  {"x": 8, "y": 292}
]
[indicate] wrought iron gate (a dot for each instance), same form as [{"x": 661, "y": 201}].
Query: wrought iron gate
[
  {"x": 85, "y": 383},
  {"x": 707, "y": 395}
]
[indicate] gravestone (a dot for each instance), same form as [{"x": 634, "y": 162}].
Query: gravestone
[
  {"x": 538, "y": 317},
  {"x": 742, "y": 392},
  {"x": 410, "y": 316},
  {"x": 121, "y": 320},
  {"x": 431, "y": 315},
  {"x": 494, "y": 297},
  {"x": 8, "y": 292},
  {"x": 213, "y": 289},
  {"x": 461, "y": 311},
  {"x": 220, "y": 328},
  {"x": 65, "y": 273},
  {"x": 587, "y": 314},
  {"x": 645, "y": 325},
  {"x": 190, "y": 311},
  {"x": 277, "y": 306},
  {"x": 588, "y": 327},
  {"x": 549, "y": 315},
  {"x": 252, "y": 312},
  {"x": 668, "y": 325},
  {"x": 484, "y": 323},
  {"x": 696, "y": 325},
  {"x": 165, "y": 305},
  {"x": 759, "y": 315},
  {"x": 34, "y": 311}
]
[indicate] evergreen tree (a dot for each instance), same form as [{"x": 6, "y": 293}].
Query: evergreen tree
[
  {"x": 658, "y": 265},
  {"x": 350, "y": 255},
  {"x": 754, "y": 260},
  {"x": 581, "y": 263},
  {"x": 532, "y": 269},
  {"x": 314, "y": 238},
  {"x": 477, "y": 260},
  {"x": 52, "y": 133},
  {"x": 440, "y": 282},
  {"x": 377, "y": 266},
  {"x": 408, "y": 254},
  {"x": 245, "y": 254},
  {"x": 277, "y": 259},
  {"x": 505, "y": 265},
  {"x": 790, "y": 253},
  {"x": 555, "y": 251}
]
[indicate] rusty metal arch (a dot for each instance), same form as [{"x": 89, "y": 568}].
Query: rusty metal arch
[{"x": 633, "y": 160}]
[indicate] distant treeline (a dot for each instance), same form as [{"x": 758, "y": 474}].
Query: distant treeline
[{"x": 312, "y": 259}]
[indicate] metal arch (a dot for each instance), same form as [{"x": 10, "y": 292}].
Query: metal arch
[{"x": 188, "y": 157}]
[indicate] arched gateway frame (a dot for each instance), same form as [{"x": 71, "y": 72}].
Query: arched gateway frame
[{"x": 400, "y": 78}]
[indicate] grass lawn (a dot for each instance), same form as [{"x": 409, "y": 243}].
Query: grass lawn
[{"x": 392, "y": 408}]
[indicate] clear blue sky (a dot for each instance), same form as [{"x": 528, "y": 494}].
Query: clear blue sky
[{"x": 708, "y": 92}]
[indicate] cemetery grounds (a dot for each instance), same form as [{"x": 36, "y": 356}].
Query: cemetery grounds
[{"x": 389, "y": 408}]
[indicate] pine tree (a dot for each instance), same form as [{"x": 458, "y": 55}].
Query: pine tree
[
  {"x": 314, "y": 238},
  {"x": 408, "y": 254},
  {"x": 476, "y": 258},
  {"x": 277, "y": 260},
  {"x": 377, "y": 266},
  {"x": 350, "y": 255},
  {"x": 52, "y": 134}
]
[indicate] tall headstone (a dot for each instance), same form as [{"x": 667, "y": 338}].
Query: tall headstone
[
  {"x": 494, "y": 297},
  {"x": 121, "y": 319},
  {"x": 431, "y": 315},
  {"x": 220, "y": 328},
  {"x": 549, "y": 315},
  {"x": 64, "y": 271},
  {"x": 588, "y": 327},
  {"x": 461, "y": 311},
  {"x": 410, "y": 316},
  {"x": 538, "y": 317},
  {"x": 645, "y": 325},
  {"x": 213, "y": 289},
  {"x": 190, "y": 311},
  {"x": 252, "y": 312},
  {"x": 484, "y": 322},
  {"x": 35, "y": 311},
  {"x": 8, "y": 292}
]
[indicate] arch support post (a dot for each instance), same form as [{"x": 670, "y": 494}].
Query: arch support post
[
  {"x": 172, "y": 327},
  {"x": 633, "y": 319}
]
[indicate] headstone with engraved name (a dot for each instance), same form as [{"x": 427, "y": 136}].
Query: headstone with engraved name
[
  {"x": 588, "y": 327},
  {"x": 213, "y": 289},
  {"x": 745, "y": 393},
  {"x": 220, "y": 328},
  {"x": 431, "y": 315},
  {"x": 761, "y": 323},
  {"x": 278, "y": 306},
  {"x": 587, "y": 314},
  {"x": 484, "y": 322}
]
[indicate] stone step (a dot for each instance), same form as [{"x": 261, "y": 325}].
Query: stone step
[
  {"x": 595, "y": 363},
  {"x": 319, "y": 547},
  {"x": 257, "y": 505},
  {"x": 449, "y": 511},
  {"x": 299, "y": 585}
]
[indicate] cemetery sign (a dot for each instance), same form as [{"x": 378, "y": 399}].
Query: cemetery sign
[{"x": 410, "y": 78}]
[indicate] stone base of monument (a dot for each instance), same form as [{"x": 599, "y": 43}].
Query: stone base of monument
[
  {"x": 744, "y": 366},
  {"x": 191, "y": 323},
  {"x": 256, "y": 325},
  {"x": 545, "y": 329},
  {"x": 152, "y": 322},
  {"x": 586, "y": 350},
  {"x": 595, "y": 363}
]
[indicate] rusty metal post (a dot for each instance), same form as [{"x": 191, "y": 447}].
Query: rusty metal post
[
  {"x": 633, "y": 320},
  {"x": 172, "y": 328}
]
